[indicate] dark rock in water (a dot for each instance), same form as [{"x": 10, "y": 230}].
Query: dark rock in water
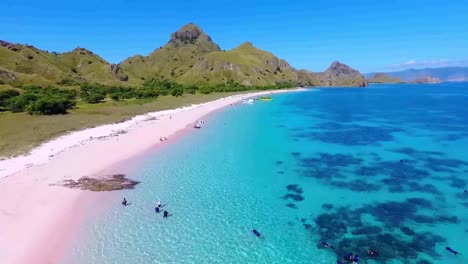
[
  {"x": 295, "y": 197},
  {"x": 294, "y": 188},
  {"x": 279, "y": 162},
  {"x": 327, "y": 206},
  {"x": 107, "y": 183},
  {"x": 357, "y": 186},
  {"x": 426, "y": 188},
  {"x": 367, "y": 230},
  {"x": 424, "y": 262},
  {"x": 296, "y": 154},
  {"x": 339, "y": 223},
  {"x": 449, "y": 219},
  {"x": 424, "y": 219},
  {"x": 307, "y": 226},
  {"x": 407, "y": 231},
  {"x": 280, "y": 172},
  {"x": 421, "y": 202},
  {"x": 456, "y": 182},
  {"x": 291, "y": 205},
  {"x": 303, "y": 220},
  {"x": 426, "y": 243}
]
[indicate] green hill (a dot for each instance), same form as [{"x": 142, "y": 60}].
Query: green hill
[
  {"x": 172, "y": 60},
  {"x": 24, "y": 64},
  {"x": 189, "y": 57},
  {"x": 245, "y": 64}
]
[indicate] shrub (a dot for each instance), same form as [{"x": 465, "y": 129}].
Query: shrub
[
  {"x": 51, "y": 106},
  {"x": 6, "y": 95}
]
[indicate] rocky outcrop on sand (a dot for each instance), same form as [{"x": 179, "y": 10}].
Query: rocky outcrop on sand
[{"x": 107, "y": 183}]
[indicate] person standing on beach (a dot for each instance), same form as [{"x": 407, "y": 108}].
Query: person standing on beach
[{"x": 124, "y": 202}]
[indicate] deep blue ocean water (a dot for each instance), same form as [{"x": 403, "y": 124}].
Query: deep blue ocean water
[{"x": 382, "y": 168}]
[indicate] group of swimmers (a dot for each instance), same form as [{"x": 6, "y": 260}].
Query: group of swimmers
[
  {"x": 162, "y": 138},
  {"x": 157, "y": 209},
  {"x": 354, "y": 259}
]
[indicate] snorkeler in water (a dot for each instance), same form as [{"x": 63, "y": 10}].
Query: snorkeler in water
[
  {"x": 449, "y": 249},
  {"x": 348, "y": 257},
  {"x": 327, "y": 245},
  {"x": 372, "y": 253},
  {"x": 255, "y": 232}
]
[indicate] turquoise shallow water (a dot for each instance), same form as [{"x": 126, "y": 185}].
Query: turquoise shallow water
[{"x": 383, "y": 167}]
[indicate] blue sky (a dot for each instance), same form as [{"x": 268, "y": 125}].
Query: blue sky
[{"x": 368, "y": 35}]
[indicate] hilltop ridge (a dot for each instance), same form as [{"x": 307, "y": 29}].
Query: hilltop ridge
[{"x": 189, "y": 57}]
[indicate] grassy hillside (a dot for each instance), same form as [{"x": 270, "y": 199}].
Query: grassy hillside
[
  {"x": 189, "y": 57},
  {"x": 24, "y": 64},
  {"x": 245, "y": 64},
  {"x": 172, "y": 60}
]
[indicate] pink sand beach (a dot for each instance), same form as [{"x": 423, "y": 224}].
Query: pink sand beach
[{"x": 38, "y": 220}]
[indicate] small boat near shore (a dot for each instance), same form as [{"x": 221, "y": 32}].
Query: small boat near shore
[
  {"x": 248, "y": 101},
  {"x": 265, "y": 98}
]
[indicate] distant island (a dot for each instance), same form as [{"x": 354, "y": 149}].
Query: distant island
[
  {"x": 427, "y": 75},
  {"x": 383, "y": 78},
  {"x": 190, "y": 57}
]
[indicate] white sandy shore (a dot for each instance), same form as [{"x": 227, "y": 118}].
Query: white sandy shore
[{"x": 35, "y": 217}]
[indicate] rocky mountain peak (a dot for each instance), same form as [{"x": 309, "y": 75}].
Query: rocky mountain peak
[
  {"x": 187, "y": 34},
  {"x": 339, "y": 69},
  {"x": 5, "y": 43},
  {"x": 192, "y": 34}
]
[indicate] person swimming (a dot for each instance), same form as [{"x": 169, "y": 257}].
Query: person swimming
[
  {"x": 449, "y": 249},
  {"x": 355, "y": 259},
  {"x": 327, "y": 245},
  {"x": 165, "y": 214},
  {"x": 159, "y": 203},
  {"x": 157, "y": 210},
  {"x": 255, "y": 232},
  {"x": 348, "y": 257},
  {"x": 372, "y": 253},
  {"x": 339, "y": 262},
  {"x": 124, "y": 202}
]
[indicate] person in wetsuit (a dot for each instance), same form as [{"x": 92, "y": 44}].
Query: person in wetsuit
[
  {"x": 355, "y": 259},
  {"x": 372, "y": 253},
  {"x": 255, "y": 232},
  {"x": 124, "y": 202},
  {"x": 348, "y": 257},
  {"x": 327, "y": 245},
  {"x": 157, "y": 210},
  {"x": 449, "y": 249},
  {"x": 165, "y": 214}
]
